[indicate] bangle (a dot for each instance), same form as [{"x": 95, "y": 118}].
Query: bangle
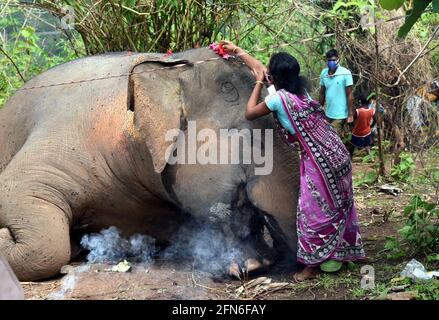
[{"x": 257, "y": 81}]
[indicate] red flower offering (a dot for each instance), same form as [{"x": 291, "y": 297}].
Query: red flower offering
[{"x": 219, "y": 50}]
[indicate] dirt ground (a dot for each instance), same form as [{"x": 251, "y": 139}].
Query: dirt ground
[{"x": 380, "y": 216}]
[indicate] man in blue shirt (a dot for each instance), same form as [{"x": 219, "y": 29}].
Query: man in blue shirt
[{"x": 336, "y": 91}]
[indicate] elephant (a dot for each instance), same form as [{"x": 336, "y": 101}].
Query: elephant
[{"x": 83, "y": 147}]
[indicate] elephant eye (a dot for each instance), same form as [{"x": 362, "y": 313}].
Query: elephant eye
[{"x": 229, "y": 91}]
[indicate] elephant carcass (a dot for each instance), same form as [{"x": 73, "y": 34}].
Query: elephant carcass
[{"x": 81, "y": 155}]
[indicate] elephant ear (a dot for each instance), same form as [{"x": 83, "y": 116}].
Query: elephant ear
[{"x": 157, "y": 104}]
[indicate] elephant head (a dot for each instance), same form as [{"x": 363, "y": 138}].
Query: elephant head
[{"x": 171, "y": 106}]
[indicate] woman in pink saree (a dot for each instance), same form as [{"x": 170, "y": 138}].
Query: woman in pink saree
[{"x": 327, "y": 224}]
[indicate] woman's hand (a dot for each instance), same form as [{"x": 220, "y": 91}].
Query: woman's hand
[
  {"x": 254, "y": 65},
  {"x": 253, "y": 110},
  {"x": 259, "y": 73},
  {"x": 229, "y": 46}
]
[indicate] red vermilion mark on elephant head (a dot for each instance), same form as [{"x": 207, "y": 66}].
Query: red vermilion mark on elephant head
[{"x": 110, "y": 127}]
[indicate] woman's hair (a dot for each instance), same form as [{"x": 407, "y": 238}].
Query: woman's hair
[{"x": 284, "y": 70}]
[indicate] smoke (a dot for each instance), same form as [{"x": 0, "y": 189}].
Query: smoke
[
  {"x": 207, "y": 247},
  {"x": 202, "y": 244},
  {"x": 68, "y": 283},
  {"x": 110, "y": 247}
]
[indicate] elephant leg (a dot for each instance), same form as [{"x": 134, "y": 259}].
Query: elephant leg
[
  {"x": 248, "y": 225},
  {"x": 276, "y": 195},
  {"x": 34, "y": 231}
]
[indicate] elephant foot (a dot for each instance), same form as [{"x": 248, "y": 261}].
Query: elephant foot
[
  {"x": 253, "y": 265},
  {"x": 40, "y": 259},
  {"x": 37, "y": 245},
  {"x": 250, "y": 267},
  {"x": 235, "y": 270}
]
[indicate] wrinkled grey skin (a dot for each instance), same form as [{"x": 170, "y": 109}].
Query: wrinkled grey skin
[{"x": 82, "y": 157}]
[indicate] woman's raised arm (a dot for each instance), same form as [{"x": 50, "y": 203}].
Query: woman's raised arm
[
  {"x": 254, "y": 64},
  {"x": 254, "y": 109}
]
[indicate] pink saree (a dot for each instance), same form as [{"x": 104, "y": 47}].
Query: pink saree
[{"x": 327, "y": 223}]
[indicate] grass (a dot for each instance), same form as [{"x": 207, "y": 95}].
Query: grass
[{"x": 347, "y": 284}]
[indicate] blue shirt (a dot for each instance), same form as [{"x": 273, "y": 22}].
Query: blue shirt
[
  {"x": 335, "y": 93},
  {"x": 274, "y": 103}
]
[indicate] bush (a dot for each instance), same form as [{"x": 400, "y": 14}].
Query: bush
[
  {"x": 23, "y": 49},
  {"x": 420, "y": 233},
  {"x": 403, "y": 170}
]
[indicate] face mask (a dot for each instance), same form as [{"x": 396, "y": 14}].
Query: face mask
[{"x": 332, "y": 65}]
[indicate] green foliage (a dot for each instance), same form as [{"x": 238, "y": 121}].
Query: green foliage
[
  {"x": 433, "y": 258},
  {"x": 258, "y": 26},
  {"x": 358, "y": 292},
  {"x": 371, "y": 156},
  {"x": 159, "y": 26},
  {"x": 419, "y": 290},
  {"x": 380, "y": 291},
  {"x": 391, "y": 4},
  {"x": 386, "y": 144},
  {"x": 420, "y": 233},
  {"x": 153, "y": 26},
  {"x": 424, "y": 27},
  {"x": 429, "y": 176},
  {"x": 428, "y": 290},
  {"x": 114, "y": 25},
  {"x": 412, "y": 14},
  {"x": 351, "y": 9},
  {"x": 403, "y": 170},
  {"x": 366, "y": 178},
  {"x": 25, "y": 48},
  {"x": 393, "y": 248}
]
